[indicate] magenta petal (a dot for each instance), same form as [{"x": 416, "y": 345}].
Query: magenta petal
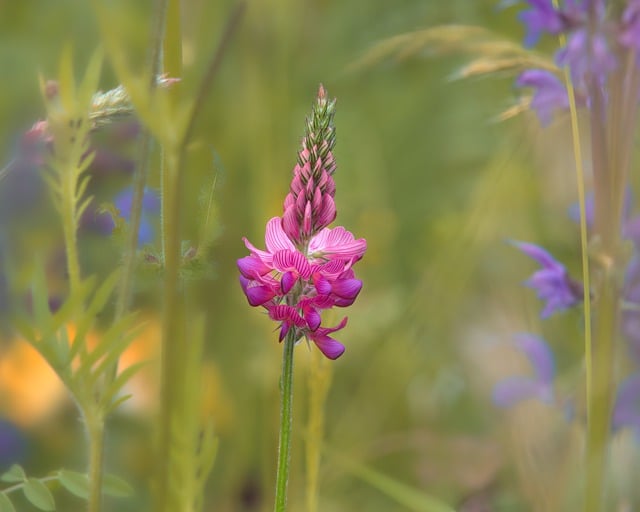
[
  {"x": 347, "y": 288},
  {"x": 252, "y": 266},
  {"x": 288, "y": 280},
  {"x": 323, "y": 286},
  {"x": 258, "y": 295},
  {"x": 329, "y": 347},
  {"x": 313, "y": 319}
]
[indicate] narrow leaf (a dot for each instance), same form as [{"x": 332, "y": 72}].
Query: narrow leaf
[
  {"x": 409, "y": 497},
  {"x": 38, "y": 494},
  {"x": 5, "y": 503},
  {"x": 74, "y": 482},
  {"x": 116, "y": 486},
  {"x": 119, "y": 382},
  {"x": 13, "y": 475}
]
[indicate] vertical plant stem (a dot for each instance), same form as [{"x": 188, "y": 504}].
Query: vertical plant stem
[
  {"x": 95, "y": 432},
  {"x": 286, "y": 407},
  {"x": 601, "y": 395},
  {"x": 319, "y": 382},
  {"x": 171, "y": 364},
  {"x": 70, "y": 228}
]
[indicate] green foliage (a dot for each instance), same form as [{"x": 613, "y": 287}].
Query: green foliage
[{"x": 37, "y": 492}]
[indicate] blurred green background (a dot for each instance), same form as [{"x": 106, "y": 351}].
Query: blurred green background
[{"x": 425, "y": 174}]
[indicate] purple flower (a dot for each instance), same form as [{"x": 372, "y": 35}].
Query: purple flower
[
  {"x": 626, "y": 412},
  {"x": 550, "y": 93},
  {"x": 123, "y": 202},
  {"x": 515, "y": 389},
  {"x": 552, "y": 282},
  {"x": 630, "y": 26},
  {"x": 587, "y": 54},
  {"x": 541, "y": 17}
]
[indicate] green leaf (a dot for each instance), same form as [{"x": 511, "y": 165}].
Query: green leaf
[
  {"x": 38, "y": 494},
  {"x": 119, "y": 382},
  {"x": 5, "y": 503},
  {"x": 115, "y": 486},
  {"x": 411, "y": 498},
  {"x": 74, "y": 482},
  {"x": 13, "y": 475}
]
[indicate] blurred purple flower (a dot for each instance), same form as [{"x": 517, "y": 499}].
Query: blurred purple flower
[
  {"x": 512, "y": 390},
  {"x": 626, "y": 412},
  {"x": 630, "y": 26},
  {"x": 552, "y": 282},
  {"x": 13, "y": 445},
  {"x": 541, "y": 17},
  {"x": 550, "y": 93},
  {"x": 104, "y": 223}
]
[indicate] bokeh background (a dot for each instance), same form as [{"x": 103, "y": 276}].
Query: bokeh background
[{"x": 425, "y": 173}]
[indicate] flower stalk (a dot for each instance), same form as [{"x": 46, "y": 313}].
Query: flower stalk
[{"x": 286, "y": 422}]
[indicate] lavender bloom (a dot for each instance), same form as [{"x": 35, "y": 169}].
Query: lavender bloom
[
  {"x": 123, "y": 202},
  {"x": 552, "y": 281},
  {"x": 630, "y": 26},
  {"x": 550, "y": 95},
  {"x": 541, "y": 17},
  {"x": 626, "y": 412},
  {"x": 515, "y": 389},
  {"x": 13, "y": 445}
]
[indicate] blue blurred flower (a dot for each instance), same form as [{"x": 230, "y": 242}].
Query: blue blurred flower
[
  {"x": 552, "y": 282},
  {"x": 515, "y": 389},
  {"x": 626, "y": 412},
  {"x": 123, "y": 203},
  {"x": 13, "y": 445}
]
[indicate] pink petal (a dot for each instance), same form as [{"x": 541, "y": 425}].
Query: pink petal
[
  {"x": 252, "y": 266},
  {"x": 275, "y": 238},
  {"x": 329, "y": 347},
  {"x": 347, "y": 288},
  {"x": 337, "y": 243},
  {"x": 292, "y": 260}
]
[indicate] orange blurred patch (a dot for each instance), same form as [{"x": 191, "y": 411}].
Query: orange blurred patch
[{"x": 30, "y": 390}]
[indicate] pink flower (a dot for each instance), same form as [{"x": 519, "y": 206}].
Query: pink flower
[
  {"x": 306, "y": 267},
  {"x": 295, "y": 287}
]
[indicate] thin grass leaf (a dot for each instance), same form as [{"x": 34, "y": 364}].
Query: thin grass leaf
[
  {"x": 38, "y": 494},
  {"x": 5, "y": 503},
  {"x": 407, "y": 496},
  {"x": 74, "y": 482},
  {"x": 116, "y": 403},
  {"x": 97, "y": 304},
  {"x": 112, "y": 344},
  {"x": 66, "y": 80},
  {"x": 13, "y": 475},
  {"x": 89, "y": 84},
  {"x": 116, "y": 386}
]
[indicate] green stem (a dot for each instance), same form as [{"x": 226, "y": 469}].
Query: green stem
[
  {"x": 69, "y": 227},
  {"x": 171, "y": 357},
  {"x": 286, "y": 405},
  {"x": 95, "y": 430},
  {"x": 600, "y": 399}
]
